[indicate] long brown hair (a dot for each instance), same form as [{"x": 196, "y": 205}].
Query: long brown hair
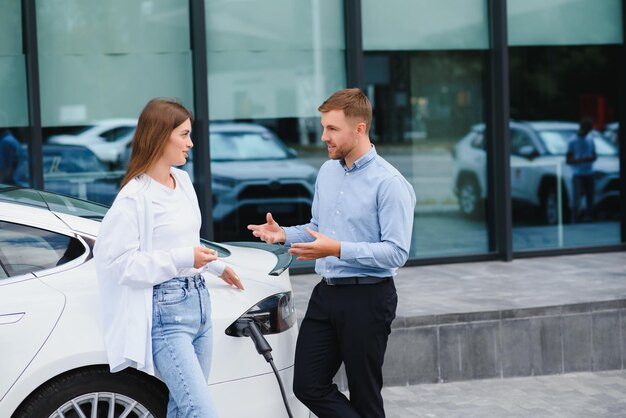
[{"x": 157, "y": 121}]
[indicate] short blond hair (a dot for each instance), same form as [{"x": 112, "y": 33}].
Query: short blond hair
[{"x": 353, "y": 102}]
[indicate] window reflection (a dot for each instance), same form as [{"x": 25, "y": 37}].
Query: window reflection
[
  {"x": 271, "y": 63},
  {"x": 25, "y": 249},
  {"x": 425, "y": 76},
  {"x": 427, "y": 105},
  {"x": 13, "y": 100},
  {"x": 97, "y": 70},
  {"x": 253, "y": 173},
  {"x": 552, "y": 89}
]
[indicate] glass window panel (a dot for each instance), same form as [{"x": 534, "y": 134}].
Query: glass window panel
[
  {"x": 424, "y": 73},
  {"x": 559, "y": 75},
  {"x": 424, "y": 25},
  {"x": 564, "y": 22},
  {"x": 99, "y": 65},
  {"x": 273, "y": 59},
  {"x": 13, "y": 100},
  {"x": 272, "y": 84},
  {"x": 271, "y": 63}
]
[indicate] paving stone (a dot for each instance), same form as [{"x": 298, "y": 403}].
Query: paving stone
[
  {"x": 576, "y": 343},
  {"x": 576, "y": 395},
  {"x": 606, "y": 350}
]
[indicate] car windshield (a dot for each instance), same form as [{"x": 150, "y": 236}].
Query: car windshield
[
  {"x": 71, "y": 160},
  {"x": 64, "y": 160},
  {"x": 556, "y": 142},
  {"x": 245, "y": 146},
  {"x": 54, "y": 201}
]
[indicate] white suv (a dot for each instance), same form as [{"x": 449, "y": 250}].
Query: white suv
[{"x": 537, "y": 157}]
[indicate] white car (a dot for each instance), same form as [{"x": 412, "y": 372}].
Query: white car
[
  {"x": 107, "y": 138},
  {"x": 53, "y": 360},
  {"x": 537, "y": 155}
]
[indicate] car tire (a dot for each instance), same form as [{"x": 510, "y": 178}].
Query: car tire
[
  {"x": 549, "y": 207},
  {"x": 470, "y": 202},
  {"x": 81, "y": 389},
  {"x": 549, "y": 212}
]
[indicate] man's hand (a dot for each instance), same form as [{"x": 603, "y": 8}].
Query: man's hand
[
  {"x": 269, "y": 232},
  {"x": 230, "y": 277},
  {"x": 202, "y": 255},
  {"x": 321, "y": 247}
]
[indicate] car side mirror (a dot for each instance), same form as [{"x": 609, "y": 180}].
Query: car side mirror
[{"x": 528, "y": 151}]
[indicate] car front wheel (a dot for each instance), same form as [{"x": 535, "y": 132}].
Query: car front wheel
[
  {"x": 95, "y": 392},
  {"x": 550, "y": 207},
  {"x": 470, "y": 202}
]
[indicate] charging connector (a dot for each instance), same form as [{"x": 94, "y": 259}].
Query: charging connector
[{"x": 249, "y": 328}]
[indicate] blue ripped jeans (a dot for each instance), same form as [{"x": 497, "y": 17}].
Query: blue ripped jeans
[{"x": 182, "y": 344}]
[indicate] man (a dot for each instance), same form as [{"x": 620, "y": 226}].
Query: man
[
  {"x": 359, "y": 234},
  {"x": 9, "y": 157},
  {"x": 581, "y": 154}
]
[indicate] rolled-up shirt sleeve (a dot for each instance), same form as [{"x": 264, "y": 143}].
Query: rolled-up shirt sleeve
[
  {"x": 396, "y": 202},
  {"x": 117, "y": 251}
]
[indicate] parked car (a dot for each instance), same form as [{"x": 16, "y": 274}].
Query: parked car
[
  {"x": 253, "y": 173},
  {"x": 612, "y": 133},
  {"x": 75, "y": 171},
  {"x": 51, "y": 344},
  {"x": 106, "y": 138},
  {"x": 537, "y": 148}
]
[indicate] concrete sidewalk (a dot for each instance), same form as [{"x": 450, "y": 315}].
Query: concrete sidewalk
[
  {"x": 495, "y": 285},
  {"x": 573, "y": 395}
]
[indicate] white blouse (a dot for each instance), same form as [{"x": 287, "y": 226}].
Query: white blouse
[{"x": 144, "y": 240}]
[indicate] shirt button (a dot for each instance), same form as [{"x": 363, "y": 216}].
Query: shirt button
[
  {"x": 347, "y": 174},
  {"x": 341, "y": 192},
  {"x": 333, "y": 232},
  {"x": 338, "y": 212}
]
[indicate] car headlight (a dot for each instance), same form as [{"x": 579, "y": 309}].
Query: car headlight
[{"x": 274, "y": 315}]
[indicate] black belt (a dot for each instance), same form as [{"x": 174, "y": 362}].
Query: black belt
[{"x": 332, "y": 281}]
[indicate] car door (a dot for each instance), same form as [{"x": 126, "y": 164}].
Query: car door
[
  {"x": 523, "y": 168},
  {"x": 29, "y": 309}
]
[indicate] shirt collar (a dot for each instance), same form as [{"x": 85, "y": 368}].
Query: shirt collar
[{"x": 363, "y": 161}]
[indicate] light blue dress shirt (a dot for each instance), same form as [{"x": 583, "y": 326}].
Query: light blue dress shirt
[
  {"x": 369, "y": 209},
  {"x": 582, "y": 147}
]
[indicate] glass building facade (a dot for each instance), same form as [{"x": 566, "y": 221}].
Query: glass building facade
[{"x": 475, "y": 102}]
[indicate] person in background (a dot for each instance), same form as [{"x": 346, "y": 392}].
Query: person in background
[
  {"x": 149, "y": 263},
  {"x": 10, "y": 155},
  {"x": 581, "y": 154},
  {"x": 359, "y": 235}
]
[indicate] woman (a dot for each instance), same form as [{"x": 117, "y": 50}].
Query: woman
[{"x": 156, "y": 307}]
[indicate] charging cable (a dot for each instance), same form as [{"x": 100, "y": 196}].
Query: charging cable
[{"x": 249, "y": 328}]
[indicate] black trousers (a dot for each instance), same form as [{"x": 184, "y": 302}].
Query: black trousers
[
  {"x": 349, "y": 324},
  {"x": 583, "y": 186}
]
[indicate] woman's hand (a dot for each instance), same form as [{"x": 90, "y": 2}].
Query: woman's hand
[
  {"x": 202, "y": 256},
  {"x": 230, "y": 277}
]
